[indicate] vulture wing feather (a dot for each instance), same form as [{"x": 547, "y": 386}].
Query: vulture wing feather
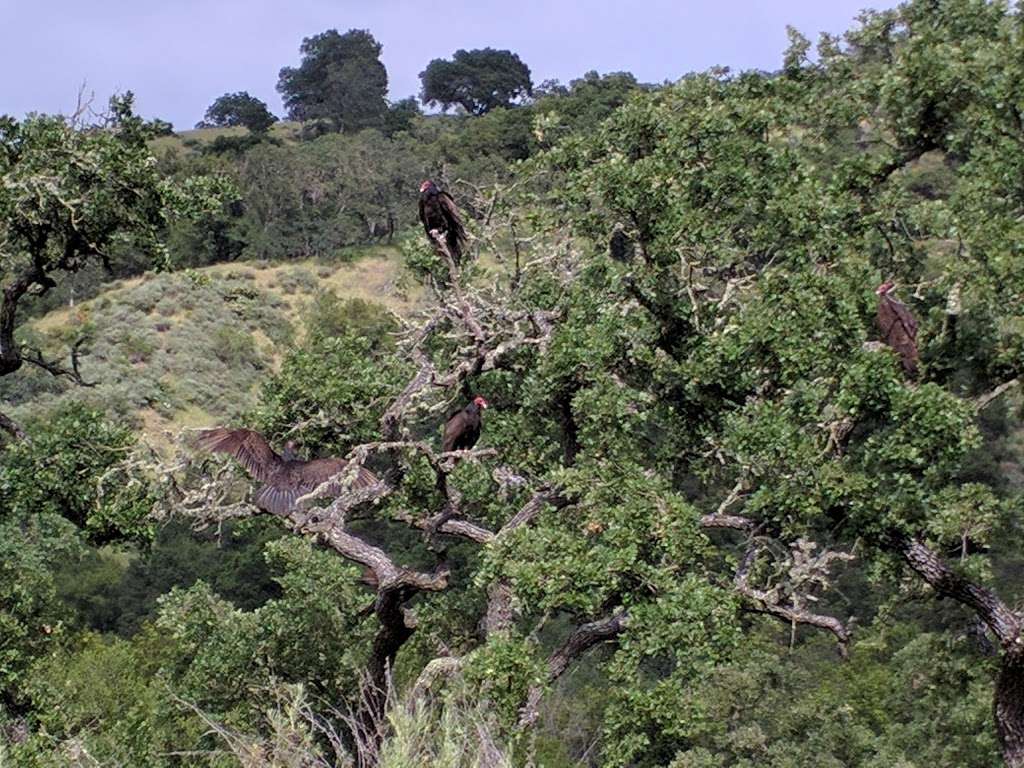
[
  {"x": 899, "y": 331},
  {"x": 249, "y": 448},
  {"x": 452, "y": 431},
  {"x": 283, "y": 491},
  {"x": 277, "y": 500},
  {"x": 312, "y": 474},
  {"x": 423, "y": 216},
  {"x": 452, "y": 217}
]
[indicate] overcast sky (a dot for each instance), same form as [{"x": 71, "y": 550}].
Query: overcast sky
[{"x": 179, "y": 55}]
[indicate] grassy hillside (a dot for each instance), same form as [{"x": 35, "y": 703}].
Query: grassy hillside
[
  {"x": 182, "y": 140},
  {"x": 191, "y": 348}
]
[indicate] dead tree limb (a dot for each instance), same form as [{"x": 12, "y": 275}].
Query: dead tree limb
[
  {"x": 983, "y": 401},
  {"x": 770, "y": 603},
  {"x": 35, "y": 357},
  {"x": 12, "y": 428}
]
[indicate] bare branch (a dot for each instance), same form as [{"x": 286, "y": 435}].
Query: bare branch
[
  {"x": 435, "y": 670},
  {"x": 581, "y": 640},
  {"x": 12, "y": 428},
  {"x": 1005, "y": 623},
  {"x": 465, "y": 310},
  {"x": 770, "y": 601},
  {"x": 734, "y": 522},
  {"x": 983, "y": 401},
  {"x": 547, "y": 495},
  {"x": 35, "y": 357}
]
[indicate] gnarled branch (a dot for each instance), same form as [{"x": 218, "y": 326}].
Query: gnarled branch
[
  {"x": 35, "y": 357},
  {"x": 1005, "y": 623},
  {"x": 581, "y": 640},
  {"x": 769, "y": 602}
]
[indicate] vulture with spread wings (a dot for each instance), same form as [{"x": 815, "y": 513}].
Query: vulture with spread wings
[
  {"x": 285, "y": 478},
  {"x": 898, "y": 327},
  {"x": 438, "y": 212}
]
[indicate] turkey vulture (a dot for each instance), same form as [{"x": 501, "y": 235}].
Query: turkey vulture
[
  {"x": 463, "y": 429},
  {"x": 285, "y": 478},
  {"x": 898, "y": 327},
  {"x": 438, "y": 212},
  {"x": 620, "y": 246}
]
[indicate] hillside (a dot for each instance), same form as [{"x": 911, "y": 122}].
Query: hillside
[
  {"x": 189, "y": 348},
  {"x": 180, "y": 141}
]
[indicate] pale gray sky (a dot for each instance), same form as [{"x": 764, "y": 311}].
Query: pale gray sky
[{"x": 179, "y": 55}]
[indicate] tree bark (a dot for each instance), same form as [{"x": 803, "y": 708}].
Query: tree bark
[
  {"x": 1005, "y": 624},
  {"x": 11, "y": 427},
  {"x": 581, "y": 640},
  {"x": 394, "y": 631},
  {"x": 1009, "y": 709},
  {"x": 10, "y": 355}
]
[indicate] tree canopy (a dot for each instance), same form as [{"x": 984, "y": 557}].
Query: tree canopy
[
  {"x": 479, "y": 80},
  {"x": 341, "y": 81},
  {"x": 238, "y": 109}
]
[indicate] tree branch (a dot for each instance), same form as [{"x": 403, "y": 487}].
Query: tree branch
[
  {"x": 768, "y": 603},
  {"x": 56, "y": 369},
  {"x": 12, "y": 428},
  {"x": 733, "y": 522},
  {"x": 581, "y": 640},
  {"x": 983, "y": 401},
  {"x": 1004, "y": 622}
]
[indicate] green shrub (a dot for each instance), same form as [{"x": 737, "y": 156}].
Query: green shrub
[
  {"x": 328, "y": 316},
  {"x": 73, "y": 467}
]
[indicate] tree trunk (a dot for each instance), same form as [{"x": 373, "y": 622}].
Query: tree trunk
[
  {"x": 1009, "y": 708},
  {"x": 10, "y": 354},
  {"x": 1004, "y": 623},
  {"x": 392, "y": 635}
]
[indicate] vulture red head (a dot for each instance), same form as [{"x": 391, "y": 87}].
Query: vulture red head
[
  {"x": 480, "y": 401},
  {"x": 885, "y": 287},
  {"x": 426, "y": 185}
]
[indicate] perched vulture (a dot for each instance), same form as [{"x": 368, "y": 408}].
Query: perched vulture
[
  {"x": 463, "y": 429},
  {"x": 285, "y": 478},
  {"x": 438, "y": 212},
  {"x": 620, "y": 246},
  {"x": 898, "y": 327}
]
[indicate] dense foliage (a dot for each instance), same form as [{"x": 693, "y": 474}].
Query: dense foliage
[
  {"x": 478, "y": 81},
  {"x": 689, "y": 439},
  {"x": 340, "y": 81},
  {"x": 238, "y": 109}
]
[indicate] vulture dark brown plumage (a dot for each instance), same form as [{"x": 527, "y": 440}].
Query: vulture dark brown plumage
[
  {"x": 439, "y": 212},
  {"x": 898, "y": 327},
  {"x": 285, "y": 478},
  {"x": 620, "y": 246},
  {"x": 463, "y": 429}
]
